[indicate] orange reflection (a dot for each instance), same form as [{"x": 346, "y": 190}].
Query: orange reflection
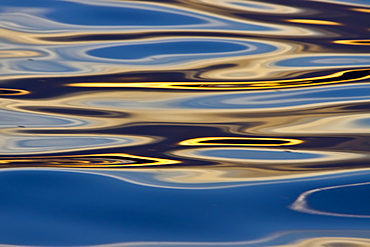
[
  {"x": 10, "y": 92},
  {"x": 353, "y": 42},
  {"x": 315, "y": 22},
  {"x": 361, "y": 10},
  {"x": 342, "y": 76},
  {"x": 114, "y": 160},
  {"x": 240, "y": 141}
]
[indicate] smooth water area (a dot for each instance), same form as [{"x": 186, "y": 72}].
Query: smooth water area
[{"x": 185, "y": 123}]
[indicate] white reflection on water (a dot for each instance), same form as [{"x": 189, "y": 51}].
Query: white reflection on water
[{"x": 302, "y": 202}]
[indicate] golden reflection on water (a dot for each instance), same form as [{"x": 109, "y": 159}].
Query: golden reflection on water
[
  {"x": 330, "y": 242},
  {"x": 338, "y": 77},
  {"x": 239, "y": 141},
  {"x": 315, "y": 22},
  {"x": 361, "y": 10},
  {"x": 353, "y": 42},
  {"x": 115, "y": 160},
  {"x": 10, "y": 92}
]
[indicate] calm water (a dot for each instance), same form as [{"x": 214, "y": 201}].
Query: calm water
[{"x": 185, "y": 123}]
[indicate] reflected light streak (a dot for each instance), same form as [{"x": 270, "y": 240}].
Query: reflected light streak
[
  {"x": 114, "y": 160},
  {"x": 11, "y": 92},
  {"x": 353, "y": 42},
  {"x": 239, "y": 141},
  {"x": 337, "y": 77},
  {"x": 315, "y": 22},
  {"x": 361, "y": 10}
]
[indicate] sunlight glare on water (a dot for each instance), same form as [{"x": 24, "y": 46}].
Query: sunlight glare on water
[{"x": 184, "y": 123}]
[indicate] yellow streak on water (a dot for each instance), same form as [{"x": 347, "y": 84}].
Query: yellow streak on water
[
  {"x": 315, "y": 22},
  {"x": 353, "y": 42},
  {"x": 10, "y": 92},
  {"x": 79, "y": 162},
  {"x": 361, "y": 10},
  {"x": 198, "y": 141},
  {"x": 231, "y": 85}
]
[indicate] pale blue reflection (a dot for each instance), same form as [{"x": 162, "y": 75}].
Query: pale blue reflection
[
  {"x": 325, "y": 61},
  {"x": 17, "y": 144},
  {"x": 125, "y": 14},
  {"x": 17, "y": 118},
  {"x": 40, "y": 66},
  {"x": 55, "y": 16},
  {"x": 100, "y": 13},
  {"x": 253, "y": 5},
  {"x": 88, "y": 58},
  {"x": 278, "y": 99},
  {"x": 178, "y": 50},
  {"x": 176, "y": 47},
  {"x": 363, "y": 122},
  {"x": 254, "y": 154}
]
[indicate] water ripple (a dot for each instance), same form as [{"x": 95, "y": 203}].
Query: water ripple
[
  {"x": 184, "y": 123},
  {"x": 265, "y": 156},
  {"x": 41, "y": 18},
  {"x": 337, "y": 201},
  {"x": 11, "y": 143}
]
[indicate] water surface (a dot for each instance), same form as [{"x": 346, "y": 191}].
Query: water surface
[{"x": 184, "y": 123}]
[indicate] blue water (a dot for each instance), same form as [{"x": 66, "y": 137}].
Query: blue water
[{"x": 184, "y": 123}]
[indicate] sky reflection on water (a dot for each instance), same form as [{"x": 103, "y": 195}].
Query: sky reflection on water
[{"x": 184, "y": 123}]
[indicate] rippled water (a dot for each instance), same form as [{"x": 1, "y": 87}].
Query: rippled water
[{"x": 185, "y": 123}]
